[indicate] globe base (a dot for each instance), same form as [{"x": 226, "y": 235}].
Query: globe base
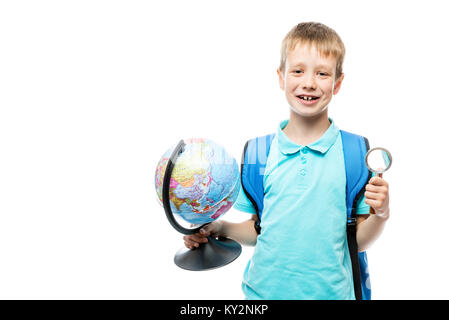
[{"x": 213, "y": 254}]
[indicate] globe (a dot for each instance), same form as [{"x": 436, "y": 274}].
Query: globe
[{"x": 204, "y": 183}]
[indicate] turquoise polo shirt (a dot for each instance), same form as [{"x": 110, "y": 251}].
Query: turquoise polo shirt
[{"x": 302, "y": 251}]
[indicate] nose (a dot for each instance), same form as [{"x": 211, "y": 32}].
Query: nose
[{"x": 309, "y": 81}]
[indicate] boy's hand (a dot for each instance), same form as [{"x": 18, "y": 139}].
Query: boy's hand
[
  {"x": 377, "y": 196},
  {"x": 192, "y": 241}
]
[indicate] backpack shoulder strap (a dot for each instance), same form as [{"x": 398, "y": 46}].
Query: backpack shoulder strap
[
  {"x": 355, "y": 148},
  {"x": 254, "y": 160}
]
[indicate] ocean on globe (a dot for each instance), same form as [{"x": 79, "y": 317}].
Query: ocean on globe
[{"x": 205, "y": 181}]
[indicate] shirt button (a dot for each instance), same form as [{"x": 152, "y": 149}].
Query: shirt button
[
  {"x": 304, "y": 150},
  {"x": 302, "y": 172}
]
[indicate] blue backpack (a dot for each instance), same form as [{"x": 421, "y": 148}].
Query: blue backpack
[{"x": 254, "y": 158}]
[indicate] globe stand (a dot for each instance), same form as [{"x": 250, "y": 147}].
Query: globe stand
[
  {"x": 214, "y": 253},
  {"x": 210, "y": 255}
]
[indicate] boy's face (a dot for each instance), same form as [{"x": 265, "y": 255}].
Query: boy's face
[{"x": 309, "y": 80}]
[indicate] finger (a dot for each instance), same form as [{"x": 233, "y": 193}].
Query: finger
[
  {"x": 198, "y": 238},
  {"x": 378, "y": 181},
  {"x": 194, "y": 239},
  {"x": 187, "y": 237},
  {"x": 374, "y": 195},
  {"x": 370, "y": 195},
  {"x": 191, "y": 244},
  {"x": 374, "y": 188}
]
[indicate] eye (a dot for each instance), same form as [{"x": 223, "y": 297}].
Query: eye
[
  {"x": 323, "y": 74},
  {"x": 297, "y": 71}
]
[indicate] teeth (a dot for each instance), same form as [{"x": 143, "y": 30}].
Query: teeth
[{"x": 307, "y": 98}]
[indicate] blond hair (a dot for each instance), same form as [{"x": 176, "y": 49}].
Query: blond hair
[{"x": 325, "y": 40}]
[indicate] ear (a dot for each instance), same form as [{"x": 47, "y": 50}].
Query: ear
[
  {"x": 337, "y": 85},
  {"x": 281, "y": 79}
]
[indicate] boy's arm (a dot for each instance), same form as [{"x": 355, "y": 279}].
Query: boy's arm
[
  {"x": 242, "y": 232},
  {"x": 369, "y": 227}
]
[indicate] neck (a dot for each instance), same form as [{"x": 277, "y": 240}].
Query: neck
[{"x": 305, "y": 130}]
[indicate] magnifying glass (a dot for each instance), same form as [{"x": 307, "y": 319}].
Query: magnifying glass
[{"x": 378, "y": 160}]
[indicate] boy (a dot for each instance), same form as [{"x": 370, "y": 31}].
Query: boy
[{"x": 302, "y": 251}]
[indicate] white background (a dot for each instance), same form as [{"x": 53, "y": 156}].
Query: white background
[{"x": 92, "y": 93}]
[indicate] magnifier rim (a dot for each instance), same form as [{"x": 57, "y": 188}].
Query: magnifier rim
[{"x": 382, "y": 149}]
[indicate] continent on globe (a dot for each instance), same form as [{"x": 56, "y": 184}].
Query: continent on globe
[{"x": 204, "y": 183}]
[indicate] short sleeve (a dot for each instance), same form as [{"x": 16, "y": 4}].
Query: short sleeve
[
  {"x": 362, "y": 207},
  {"x": 243, "y": 204}
]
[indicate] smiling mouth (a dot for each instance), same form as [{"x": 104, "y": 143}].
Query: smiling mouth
[{"x": 307, "y": 98}]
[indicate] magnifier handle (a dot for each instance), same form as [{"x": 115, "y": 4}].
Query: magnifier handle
[{"x": 371, "y": 210}]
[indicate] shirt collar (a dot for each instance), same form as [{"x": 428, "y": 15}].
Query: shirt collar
[{"x": 287, "y": 147}]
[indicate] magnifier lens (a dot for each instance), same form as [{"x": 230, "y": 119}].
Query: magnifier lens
[{"x": 378, "y": 160}]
